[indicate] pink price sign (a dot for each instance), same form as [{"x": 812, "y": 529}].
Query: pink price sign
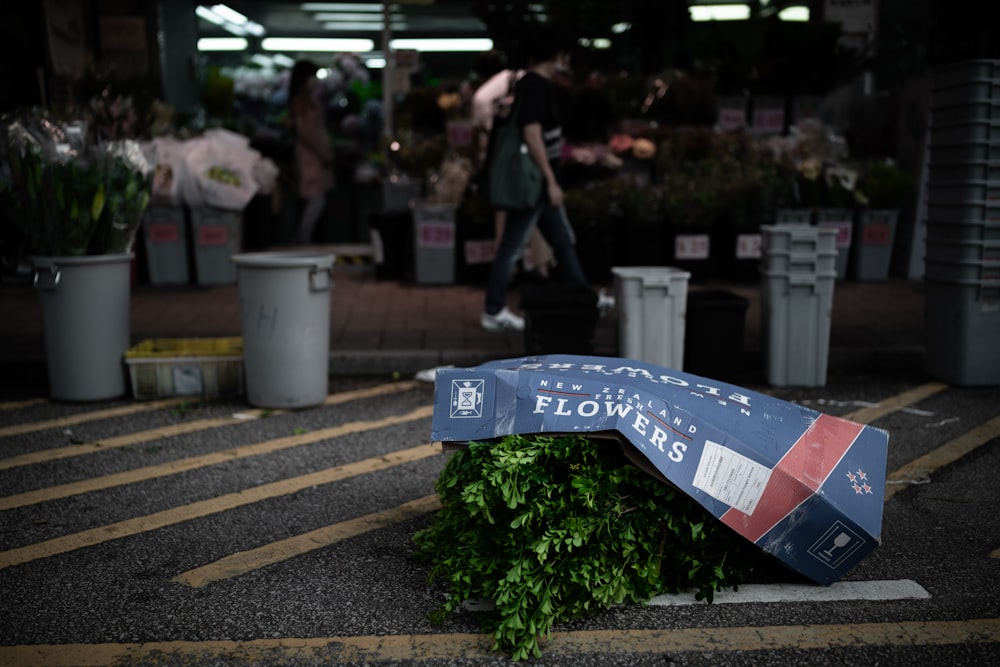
[
  {"x": 732, "y": 119},
  {"x": 163, "y": 232},
  {"x": 435, "y": 235},
  {"x": 213, "y": 235},
  {"x": 769, "y": 120},
  {"x": 480, "y": 252},
  {"x": 878, "y": 233}
]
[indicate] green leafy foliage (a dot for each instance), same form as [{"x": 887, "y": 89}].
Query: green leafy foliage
[{"x": 554, "y": 528}]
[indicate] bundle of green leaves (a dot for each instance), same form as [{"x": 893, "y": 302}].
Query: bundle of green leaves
[{"x": 555, "y": 528}]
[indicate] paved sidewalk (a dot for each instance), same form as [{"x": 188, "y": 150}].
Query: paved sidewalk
[{"x": 385, "y": 326}]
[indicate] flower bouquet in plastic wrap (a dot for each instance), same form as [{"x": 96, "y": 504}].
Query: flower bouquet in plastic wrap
[{"x": 65, "y": 195}]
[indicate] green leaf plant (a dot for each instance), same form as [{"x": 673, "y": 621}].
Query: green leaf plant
[{"x": 556, "y": 528}]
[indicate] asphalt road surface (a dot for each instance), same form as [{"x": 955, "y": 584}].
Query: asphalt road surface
[{"x": 182, "y": 532}]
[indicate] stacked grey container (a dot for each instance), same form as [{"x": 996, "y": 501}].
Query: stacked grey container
[
  {"x": 798, "y": 271},
  {"x": 962, "y": 274}
]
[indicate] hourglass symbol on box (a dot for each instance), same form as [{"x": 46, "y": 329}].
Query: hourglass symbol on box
[
  {"x": 467, "y": 398},
  {"x": 836, "y": 545}
]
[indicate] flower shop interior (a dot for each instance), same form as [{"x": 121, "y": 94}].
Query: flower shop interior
[{"x": 689, "y": 124}]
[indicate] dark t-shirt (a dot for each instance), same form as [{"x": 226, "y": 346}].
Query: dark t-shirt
[{"x": 538, "y": 105}]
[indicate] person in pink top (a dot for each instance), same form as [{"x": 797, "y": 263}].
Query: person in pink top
[{"x": 313, "y": 151}]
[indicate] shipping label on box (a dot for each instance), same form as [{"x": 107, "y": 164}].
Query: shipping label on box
[{"x": 804, "y": 486}]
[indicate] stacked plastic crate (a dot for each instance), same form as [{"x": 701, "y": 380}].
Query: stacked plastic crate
[
  {"x": 798, "y": 271},
  {"x": 962, "y": 262}
]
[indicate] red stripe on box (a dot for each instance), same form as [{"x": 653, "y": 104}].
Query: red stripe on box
[{"x": 798, "y": 475}]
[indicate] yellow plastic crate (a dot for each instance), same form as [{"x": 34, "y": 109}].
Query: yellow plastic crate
[{"x": 208, "y": 367}]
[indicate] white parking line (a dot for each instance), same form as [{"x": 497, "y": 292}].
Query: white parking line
[{"x": 900, "y": 589}]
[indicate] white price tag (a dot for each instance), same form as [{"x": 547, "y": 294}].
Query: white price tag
[
  {"x": 691, "y": 246},
  {"x": 748, "y": 246}
]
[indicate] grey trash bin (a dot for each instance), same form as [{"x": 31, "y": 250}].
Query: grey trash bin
[
  {"x": 285, "y": 308},
  {"x": 85, "y": 315},
  {"x": 652, "y": 302},
  {"x": 798, "y": 272}
]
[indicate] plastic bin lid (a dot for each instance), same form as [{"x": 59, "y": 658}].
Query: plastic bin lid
[
  {"x": 284, "y": 260},
  {"x": 653, "y": 276}
]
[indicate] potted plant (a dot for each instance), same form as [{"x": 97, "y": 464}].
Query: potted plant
[
  {"x": 882, "y": 189},
  {"x": 77, "y": 206},
  {"x": 755, "y": 184},
  {"x": 691, "y": 206}
]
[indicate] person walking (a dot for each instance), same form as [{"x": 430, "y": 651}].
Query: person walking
[
  {"x": 497, "y": 91},
  {"x": 313, "y": 151},
  {"x": 541, "y": 127}
]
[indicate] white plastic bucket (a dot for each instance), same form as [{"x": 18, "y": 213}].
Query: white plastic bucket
[
  {"x": 652, "y": 302},
  {"x": 85, "y": 316},
  {"x": 285, "y": 309}
]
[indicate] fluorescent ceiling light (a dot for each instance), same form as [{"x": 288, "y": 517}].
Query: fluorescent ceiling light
[
  {"x": 794, "y": 14},
  {"x": 375, "y": 63},
  {"x": 234, "y": 29},
  {"x": 229, "y": 14},
  {"x": 443, "y": 45},
  {"x": 229, "y": 20},
  {"x": 619, "y": 28},
  {"x": 319, "y": 44},
  {"x": 328, "y": 16},
  {"x": 356, "y": 26},
  {"x": 222, "y": 44},
  {"x": 719, "y": 12},
  {"x": 209, "y": 15},
  {"x": 282, "y": 59},
  {"x": 602, "y": 43},
  {"x": 341, "y": 7}
]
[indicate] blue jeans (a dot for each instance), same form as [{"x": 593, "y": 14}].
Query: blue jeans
[{"x": 554, "y": 226}]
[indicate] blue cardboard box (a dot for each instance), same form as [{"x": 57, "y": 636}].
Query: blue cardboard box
[{"x": 804, "y": 486}]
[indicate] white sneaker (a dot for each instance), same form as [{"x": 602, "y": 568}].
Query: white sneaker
[
  {"x": 502, "y": 321},
  {"x": 605, "y": 303}
]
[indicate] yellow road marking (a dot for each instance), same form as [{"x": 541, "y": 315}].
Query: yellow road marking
[
  {"x": 995, "y": 554},
  {"x": 894, "y": 403},
  {"x": 15, "y": 405},
  {"x": 948, "y": 453},
  {"x": 143, "y": 524},
  {"x": 187, "y": 427},
  {"x": 364, "y": 649},
  {"x": 80, "y": 418},
  {"x": 246, "y": 561},
  {"x": 195, "y": 462}
]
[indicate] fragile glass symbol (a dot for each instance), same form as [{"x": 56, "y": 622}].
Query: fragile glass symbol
[{"x": 839, "y": 541}]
